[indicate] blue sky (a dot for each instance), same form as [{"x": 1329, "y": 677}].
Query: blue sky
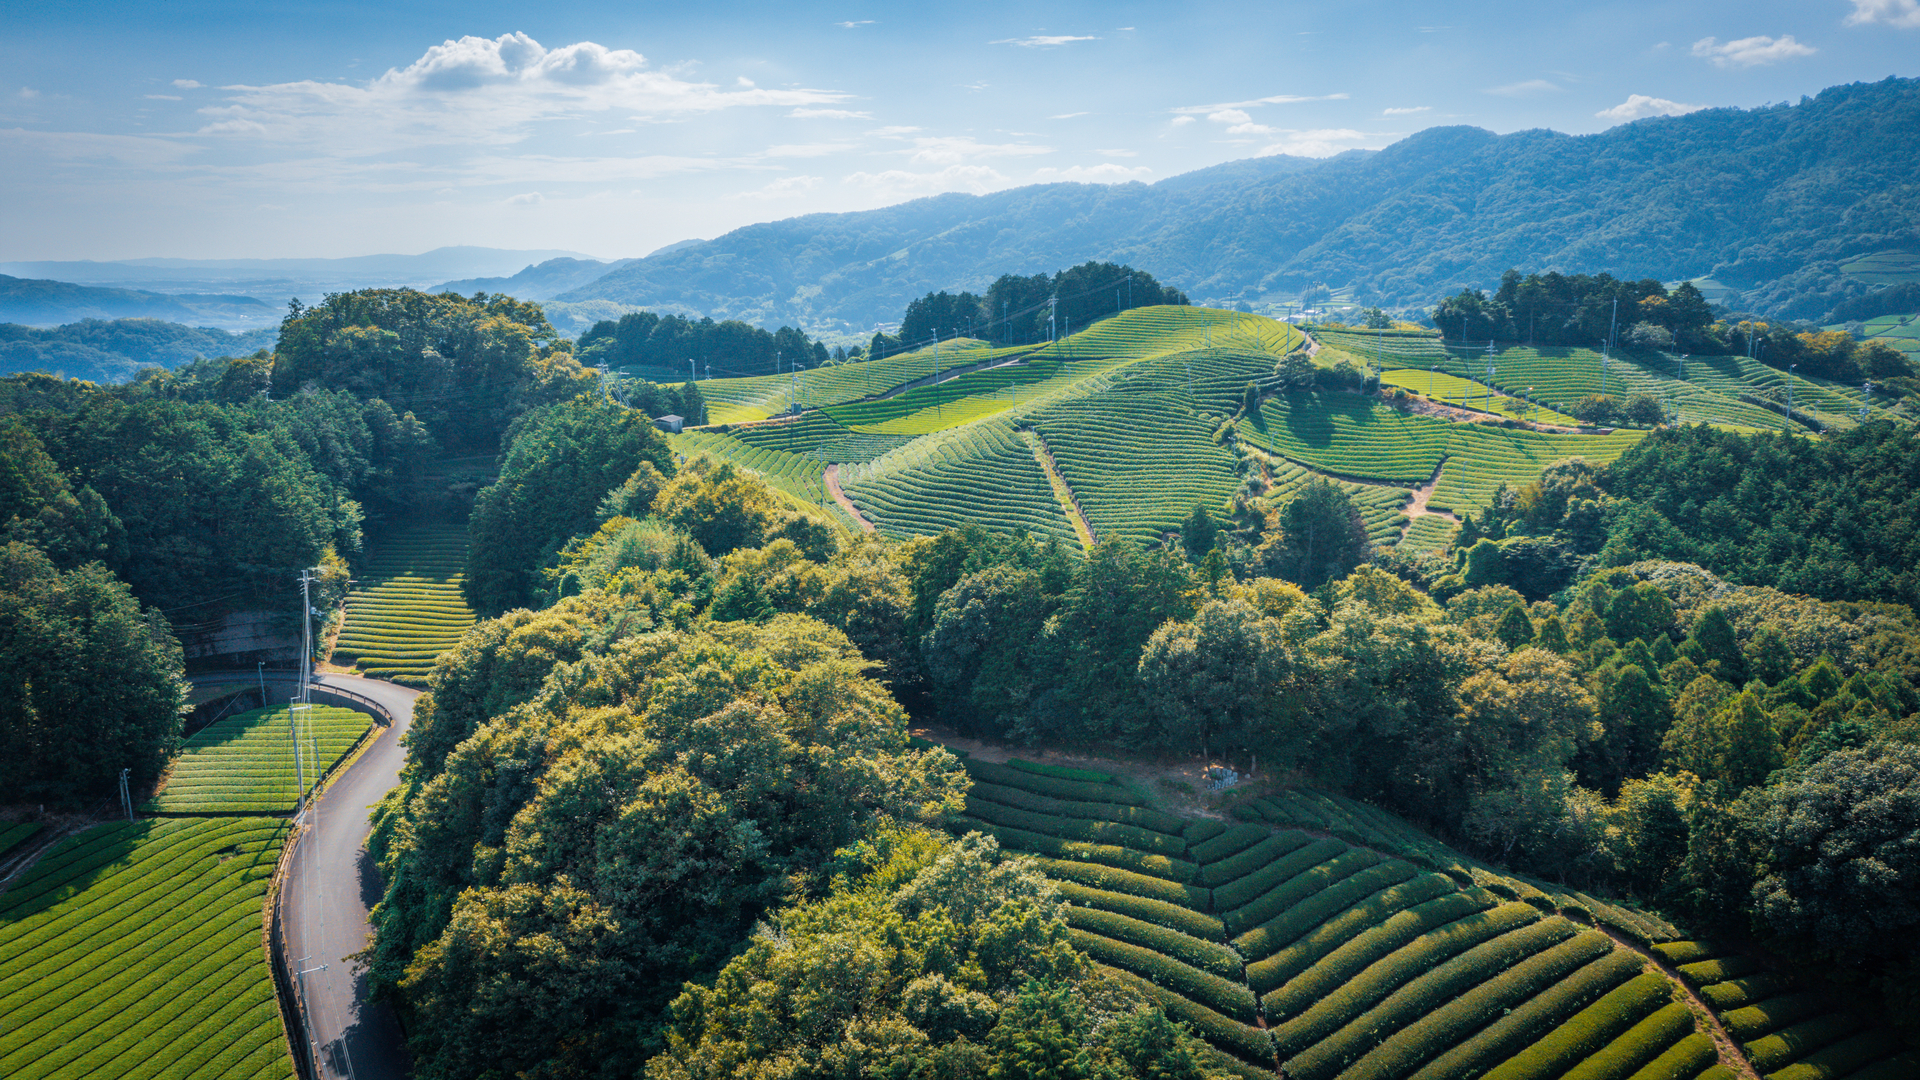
[{"x": 223, "y": 129}]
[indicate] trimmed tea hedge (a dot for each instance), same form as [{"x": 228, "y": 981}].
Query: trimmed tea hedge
[
  {"x": 1299, "y": 916},
  {"x": 1312, "y": 858},
  {"x": 1738, "y": 992},
  {"x": 1342, "y": 999},
  {"x": 1097, "y": 811},
  {"x": 1541, "y": 1014},
  {"x": 1712, "y": 971},
  {"x": 1227, "y": 841},
  {"x": 244, "y": 764},
  {"x": 1219, "y": 872},
  {"x": 1074, "y": 828},
  {"x": 1344, "y": 881},
  {"x": 1075, "y": 790},
  {"x": 1473, "y": 1008},
  {"x": 1247, "y": 1041},
  {"x": 1202, "y": 830},
  {"x": 1768, "y": 1016},
  {"x": 1681, "y": 1061},
  {"x": 1400, "y": 912},
  {"x": 1790, "y": 1044},
  {"x": 1639, "y": 1045},
  {"x": 1107, "y": 854},
  {"x": 1173, "y": 916},
  {"x": 1209, "y": 956},
  {"x": 1230, "y": 999},
  {"x": 1061, "y": 772},
  {"x": 1114, "y": 879},
  {"x": 1592, "y": 1028},
  {"x": 13, "y": 835},
  {"x": 134, "y": 950}
]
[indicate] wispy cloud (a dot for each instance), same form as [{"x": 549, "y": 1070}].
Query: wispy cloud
[
  {"x": 161, "y": 97},
  {"x": 1639, "y": 106},
  {"x": 1320, "y": 142},
  {"x": 787, "y": 187},
  {"x": 1903, "y": 13},
  {"x": 853, "y": 23},
  {"x": 1751, "y": 51},
  {"x": 1277, "y": 99},
  {"x": 1104, "y": 173},
  {"x": 186, "y": 84},
  {"x": 1043, "y": 41},
  {"x": 1182, "y": 120},
  {"x": 1067, "y": 115},
  {"x": 788, "y": 150},
  {"x": 1530, "y": 88},
  {"x": 29, "y": 93},
  {"x": 1118, "y": 153},
  {"x": 829, "y": 114},
  {"x": 1406, "y": 111},
  {"x": 955, "y": 149},
  {"x": 902, "y": 184}
]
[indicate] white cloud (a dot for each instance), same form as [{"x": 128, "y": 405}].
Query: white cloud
[
  {"x": 1277, "y": 99},
  {"x": 1042, "y": 41},
  {"x": 807, "y": 149},
  {"x": 1406, "y": 111},
  {"x": 1640, "y": 105},
  {"x": 901, "y": 184},
  {"x": 92, "y": 150},
  {"x": 1751, "y": 51},
  {"x": 1905, "y": 13},
  {"x": 528, "y": 198},
  {"x": 893, "y": 132},
  {"x": 186, "y": 84},
  {"x": 828, "y": 114},
  {"x": 479, "y": 91},
  {"x": 1530, "y": 88},
  {"x": 954, "y": 149},
  {"x": 1180, "y": 121},
  {"x": 743, "y": 81},
  {"x": 161, "y": 97},
  {"x": 787, "y": 187},
  {"x": 1066, "y": 116},
  {"x": 1103, "y": 173},
  {"x": 1118, "y": 153},
  {"x": 856, "y": 22},
  {"x": 1229, "y": 116},
  {"x": 1320, "y": 142},
  {"x": 29, "y": 93}
]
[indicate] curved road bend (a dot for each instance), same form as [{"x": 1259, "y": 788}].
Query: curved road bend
[{"x": 330, "y": 886}]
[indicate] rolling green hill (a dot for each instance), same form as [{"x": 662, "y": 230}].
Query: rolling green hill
[{"x": 1130, "y": 415}]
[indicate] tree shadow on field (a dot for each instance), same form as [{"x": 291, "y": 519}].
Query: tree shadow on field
[{"x": 70, "y": 866}]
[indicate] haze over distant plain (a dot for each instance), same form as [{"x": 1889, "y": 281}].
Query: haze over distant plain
[{"x": 226, "y": 130}]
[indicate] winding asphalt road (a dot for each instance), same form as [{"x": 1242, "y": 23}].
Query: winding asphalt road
[{"x": 331, "y": 884}]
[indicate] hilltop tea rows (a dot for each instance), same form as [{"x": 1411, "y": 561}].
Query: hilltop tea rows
[{"x": 1121, "y": 429}]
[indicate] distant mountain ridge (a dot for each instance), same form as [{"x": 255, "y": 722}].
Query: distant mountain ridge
[
  {"x": 541, "y": 281},
  {"x": 1769, "y": 201},
  {"x": 38, "y": 302}
]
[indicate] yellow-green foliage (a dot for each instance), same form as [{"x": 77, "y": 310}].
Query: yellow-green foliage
[
  {"x": 1591, "y": 1029},
  {"x": 1466, "y": 393},
  {"x": 133, "y": 950},
  {"x": 1381, "y": 922}
]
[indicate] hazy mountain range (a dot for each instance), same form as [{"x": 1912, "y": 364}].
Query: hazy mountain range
[{"x": 1768, "y": 201}]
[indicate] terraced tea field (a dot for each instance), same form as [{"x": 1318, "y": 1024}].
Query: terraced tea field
[
  {"x": 408, "y": 608},
  {"x": 1353, "y": 436},
  {"x": 1381, "y": 506},
  {"x": 1138, "y": 462},
  {"x": 1330, "y": 939},
  {"x": 1467, "y": 394},
  {"x": 133, "y": 950},
  {"x": 734, "y": 401},
  {"x": 1884, "y": 267},
  {"x": 984, "y": 473},
  {"x": 244, "y": 764},
  {"x": 1899, "y": 331}
]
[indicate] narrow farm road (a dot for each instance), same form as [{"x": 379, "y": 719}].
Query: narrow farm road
[
  {"x": 331, "y": 884},
  {"x": 832, "y": 478}
]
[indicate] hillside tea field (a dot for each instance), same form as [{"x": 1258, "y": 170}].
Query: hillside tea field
[
  {"x": 134, "y": 950},
  {"x": 245, "y": 765},
  {"x": 408, "y": 608},
  {"x": 1333, "y": 940}
]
